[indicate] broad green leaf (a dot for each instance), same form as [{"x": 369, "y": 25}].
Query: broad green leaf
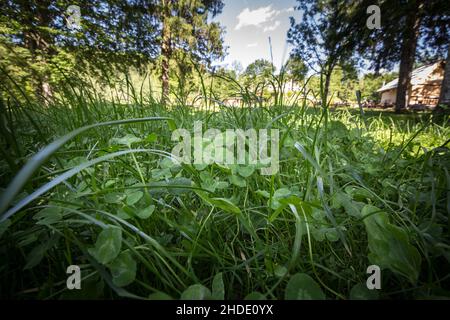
[
  {"x": 361, "y": 292},
  {"x": 127, "y": 140},
  {"x": 134, "y": 197},
  {"x": 124, "y": 213},
  {"x": 159, "y": 174},
  {"x": 221, "y": 184},
  {"x": 114, "y": 197},
  {"x": 218, "y": 289},
  {"x": 302, "y": 287},
  {"x": 166, "y": 163},
  {"x": 332, "y": 234},
  {"x": 200, "y": 166},
  {"x": 196, "y": 292},
  {"x": 208, "y": 182},
  {"x": 246, "y": 171},
  {"x": 263, "y": 193},
  {"x": 152, "y": 137},
  {"x": 281, "y": 193},
  {"x": 238, "y": 181},
  {"x": 280, "y": 271},
  {"x": 146, "y": 212},
  {"x": 278, "y": 195},
  {"x": 205, "y": 176},
  {"x": 353, "y": 208},
  {"x": 108, "y": 244},
  {"x": 317, "y": 233},
  {"x": 123, "y": 269},
  {"x": 389, "y": 245}
]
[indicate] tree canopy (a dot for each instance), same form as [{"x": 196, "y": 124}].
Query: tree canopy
[{"x": 110, "y": 35}]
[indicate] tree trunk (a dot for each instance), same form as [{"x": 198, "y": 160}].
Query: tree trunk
[
  {"x": 408, "y": 53},
  {"x": 326, "y": 87},
  {"x": 40, "y": 46},
  {"x": 46, "y": 90},
  {"x": 165, "y": 54},
  {"x": 444, "y": 97}
]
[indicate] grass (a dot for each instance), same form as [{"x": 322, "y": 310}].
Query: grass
[{"x": 106, "y": 197}]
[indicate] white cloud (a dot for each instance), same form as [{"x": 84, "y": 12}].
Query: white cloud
[
  {"x": 250, "y": 45},
  {"x": 256, "y": 17},
  {"x": 272, "y": 27}
]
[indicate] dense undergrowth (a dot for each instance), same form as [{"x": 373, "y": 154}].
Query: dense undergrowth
[{"x": 351, "y": 191}]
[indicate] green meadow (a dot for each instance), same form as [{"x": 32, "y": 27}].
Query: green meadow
[{"x": 88, "y": 181}]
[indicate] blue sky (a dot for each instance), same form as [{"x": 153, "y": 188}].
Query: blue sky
[{"x": 250, "y": 23}]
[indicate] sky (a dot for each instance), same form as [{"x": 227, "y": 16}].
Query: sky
[{"x": 248, "y": 26}]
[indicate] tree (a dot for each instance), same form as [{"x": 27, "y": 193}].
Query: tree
[
  {"x": 257, "y": 74},
  {"x": 260, "y": 69},
  {"x": 185, "y": 28},
  {"x": 410, "y": 29},
  {"x": 225, "y": 83},
  {"x": 444, "y": 98},
  {"x": 343, "y": 83},
  {"x": 237, "y": 67},
  {"x": 295, "y": 69},
  {"x": 323, "y": 38},
  {"x": 371, "y": 82},
  {"x": 409, "y": 36},
  {"x": 34, "y": 35}
]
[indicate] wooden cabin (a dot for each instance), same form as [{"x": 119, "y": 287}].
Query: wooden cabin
[{"x": 424, "y": 89}]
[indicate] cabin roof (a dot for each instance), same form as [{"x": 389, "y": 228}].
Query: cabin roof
[{"x": 418, "y": 76}]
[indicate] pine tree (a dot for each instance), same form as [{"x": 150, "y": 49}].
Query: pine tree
[
  {"x": 35, "y": 36},
  {"x": 323, "y": 38},
  {"x": 187, "y": 31},
  {"x": 444, "y": 98},
  {"x": 410, "y": 30}
]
